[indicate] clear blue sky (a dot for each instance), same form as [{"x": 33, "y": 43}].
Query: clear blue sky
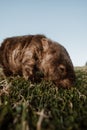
[{"x": 64, "y": 21}]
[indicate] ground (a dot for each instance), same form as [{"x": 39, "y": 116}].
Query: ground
[{"x": 42, "y": 106}]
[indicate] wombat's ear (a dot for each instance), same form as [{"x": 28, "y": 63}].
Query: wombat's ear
[{"x": 44, "y": 43}]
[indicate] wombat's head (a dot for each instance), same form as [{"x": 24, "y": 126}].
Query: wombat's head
[
  {"x": 62, "y": 71},
  {"x": 58, "y": 65},
  {"x": 61, "y": 74},
  {"x": 65, "y": 76}
]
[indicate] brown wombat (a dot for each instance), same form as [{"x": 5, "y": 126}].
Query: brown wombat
[{"x": 24, "y": 55}]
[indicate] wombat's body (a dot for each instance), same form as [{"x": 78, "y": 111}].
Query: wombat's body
[{"x": 24, "y": 55}]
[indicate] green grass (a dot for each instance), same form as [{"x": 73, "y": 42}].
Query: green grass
[{"x": 42, "y": 106}]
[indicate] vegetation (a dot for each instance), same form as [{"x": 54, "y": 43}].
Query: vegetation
[
  {"x": 86, "y": 64},
  {"x": 42, "y": 106}
]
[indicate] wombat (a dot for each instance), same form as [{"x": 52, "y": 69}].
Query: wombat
[{"x": 25, "y": 55}]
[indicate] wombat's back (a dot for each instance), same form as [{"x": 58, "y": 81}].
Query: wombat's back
[{"x": 10, "y": 53}]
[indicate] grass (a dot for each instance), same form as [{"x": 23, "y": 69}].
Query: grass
[{"x": 42, "y": 106}]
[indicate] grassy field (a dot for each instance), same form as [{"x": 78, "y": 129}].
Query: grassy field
[{"x": 42, "y": 106}]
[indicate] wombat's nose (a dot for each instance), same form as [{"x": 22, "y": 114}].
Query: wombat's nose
[{"x": 66, "y": 83}]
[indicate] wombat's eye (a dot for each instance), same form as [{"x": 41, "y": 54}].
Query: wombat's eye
[{"x": 62, "y": 68}]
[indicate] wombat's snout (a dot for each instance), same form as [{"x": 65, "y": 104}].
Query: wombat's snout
[{"x": 66, "y": 83}]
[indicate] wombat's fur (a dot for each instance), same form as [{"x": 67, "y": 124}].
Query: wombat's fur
[{"x": 24, "y": 55}]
